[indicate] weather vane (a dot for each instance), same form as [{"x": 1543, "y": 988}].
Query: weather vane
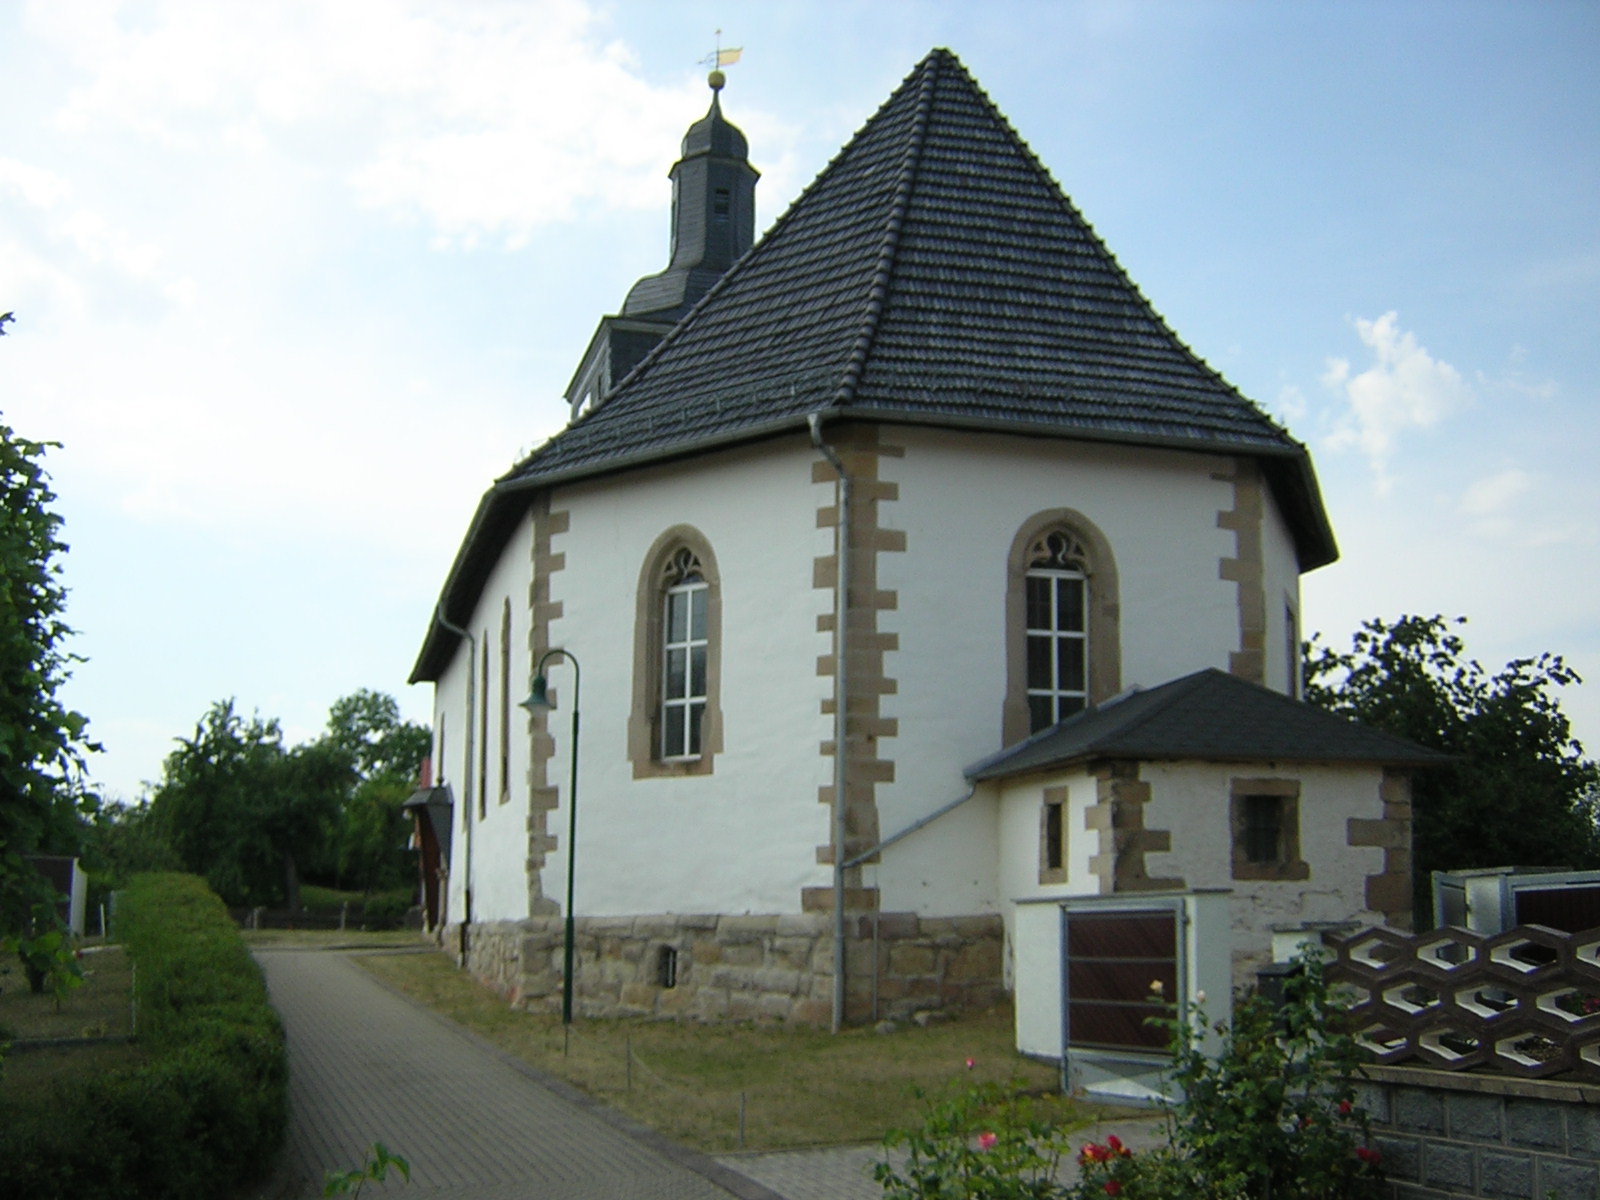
[{"x": 720, "y": 58}]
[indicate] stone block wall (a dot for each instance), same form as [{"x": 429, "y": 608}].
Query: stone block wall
[
  {"x": 710, "y": 967},
  {"x": 1444, "y": 1135}
]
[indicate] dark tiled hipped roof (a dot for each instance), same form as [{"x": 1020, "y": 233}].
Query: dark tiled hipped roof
[
  {"x": 1209, "y": 716},
  {"x": 933, "y": 272}
]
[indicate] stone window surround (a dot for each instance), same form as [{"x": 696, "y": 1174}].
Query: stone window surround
[
  {"x": 1103, "y": 614},
  {"x": 644, "y": 736},
  {"x": 1291, "y": 866}
]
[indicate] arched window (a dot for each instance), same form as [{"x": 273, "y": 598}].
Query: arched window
[
  {"x": 675, "y": 724},
  {"x": 1057, "y": 587},
  {"x": 1063, "y": 642},
  {"x": 684, "y": 644}
]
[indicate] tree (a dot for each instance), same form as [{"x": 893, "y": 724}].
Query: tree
[
  {"x": 387, "y": 752},
  {"x": 42, "y": 742},
  {"x": 1518, "y": 791},
  {"x": 243, "y": 811},
  {"x": 367, "y": 726}
]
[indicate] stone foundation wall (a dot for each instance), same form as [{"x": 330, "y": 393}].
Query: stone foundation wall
[
  {"x": 708, "y": 967},
  {"x": 1445, "y": 1135}
]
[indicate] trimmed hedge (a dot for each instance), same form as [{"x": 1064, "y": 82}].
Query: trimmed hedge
[{"x": 209, "y": 1111}]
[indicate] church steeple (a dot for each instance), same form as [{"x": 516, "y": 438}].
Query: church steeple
[
  {"x": 713, "y": 224},
  {"x": 713, "y": 215}
]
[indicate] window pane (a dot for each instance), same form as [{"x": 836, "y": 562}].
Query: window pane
[
  {"x": 1069, "y": 604},
  {"x": 1052, "y": 837},
  {"x": 1069, "y": 705},
  {"x": 677, "y": 617},
  {"x": 675, "y": 674},
  {"x": 697, "y": 617},
  {"x": 1263, "y": 829},
  {"x": 696, "y": 712},
  {"x": 697, "y": 671},
  {"x": 1040, "y": 715},
  {"x": 672, "y": 731},
  {"x": 1039, "y": 603},
  {"x": 1039, "y": 663},
  {"x": 1069, "y": 655}
]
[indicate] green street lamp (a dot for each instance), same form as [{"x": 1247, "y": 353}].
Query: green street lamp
[{"x": 539, "y": 701}]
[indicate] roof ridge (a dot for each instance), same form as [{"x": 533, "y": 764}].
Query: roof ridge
[{"x": 879, "y": 288}]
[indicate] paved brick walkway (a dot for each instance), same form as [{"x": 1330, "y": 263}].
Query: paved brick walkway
[{"x": 367, "y": 1065}]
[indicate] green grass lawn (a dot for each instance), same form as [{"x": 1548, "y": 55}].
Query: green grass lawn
[{"x": 797, "y": 1086}]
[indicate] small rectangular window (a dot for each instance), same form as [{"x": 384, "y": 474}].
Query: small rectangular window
[
  {"x": 667, "y": 967},
  {"x": 720, "y": 204},
  {"x": 1265, "y": 814}
]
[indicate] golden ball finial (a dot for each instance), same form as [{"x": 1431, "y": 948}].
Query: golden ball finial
[{"x": 717, "y": 80}]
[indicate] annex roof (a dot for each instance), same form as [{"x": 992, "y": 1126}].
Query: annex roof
[
  {"x": 933, "y": 273},
  {"x": 1209, "y": 716}
]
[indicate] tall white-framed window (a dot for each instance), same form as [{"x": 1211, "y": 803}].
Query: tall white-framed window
[
  {"x": 1057, "y": 604},
  {"x": 685, "y": 647}
]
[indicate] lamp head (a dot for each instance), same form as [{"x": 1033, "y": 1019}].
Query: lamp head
[{"x": 538, "y": 700}]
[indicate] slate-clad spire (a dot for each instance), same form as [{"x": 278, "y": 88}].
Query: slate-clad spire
[
  {"x": 713, "y": 216},
  {"x": 713, "y": 224}
]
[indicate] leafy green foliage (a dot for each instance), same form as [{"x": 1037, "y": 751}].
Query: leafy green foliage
[
  {"x": 1271, "y": 1117},
  {"x": 984, "y": 1140},
  {"x": 374, "y": 1170},
  {"x": 42, "y": 742},
  {"x": 387, "y": 752},
  {"x": 245, "y": 812},
  {"x": 48, "y": 957},
  {"x": 1519, "y": 789},
  {"x": 255, "y": 816},
  {"x": 1274, "y": 1113},
  {"x": 209, "y": 1110}
]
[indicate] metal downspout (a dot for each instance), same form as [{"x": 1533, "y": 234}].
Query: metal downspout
[
  {"x": 466, "y": 795},
  {"x": 840, "y": 706}
]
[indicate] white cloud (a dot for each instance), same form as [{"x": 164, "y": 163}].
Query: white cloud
[
  {"x": 1405, "y": 388},
  {"x": 485, "y": 120},
  {"x": 1489, "y": 503}
]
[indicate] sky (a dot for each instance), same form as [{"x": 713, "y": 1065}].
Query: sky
[{"x": 295, "y": 281}]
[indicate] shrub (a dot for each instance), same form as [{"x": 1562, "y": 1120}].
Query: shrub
[
  {"x": 208, "y": 1111},
  {"x": 1272, "y": 1117}
]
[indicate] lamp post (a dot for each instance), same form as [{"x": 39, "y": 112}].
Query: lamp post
[{"x": 539, "y": 701}]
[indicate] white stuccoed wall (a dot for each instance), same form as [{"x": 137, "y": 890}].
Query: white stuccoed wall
[
  {"x": 499, "y": 842},
  {"x": 1017, "y": 807},
  {"x": 961, "y": 502},
  {"x": 741, "y": 839},
  {"x": 1281, "y": 584},
  {"x": 1191, "y": 801}
]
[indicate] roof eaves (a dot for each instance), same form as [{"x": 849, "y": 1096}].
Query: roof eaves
[
  {"x": 1054, "y": 429},
  {"x": 653, "y": 455},
  {"x": 463, "y": 582}
]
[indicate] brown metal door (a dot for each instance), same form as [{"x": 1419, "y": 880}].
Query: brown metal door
[{"x": 1112, "y": 958}]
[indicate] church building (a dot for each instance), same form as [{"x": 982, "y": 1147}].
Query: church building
[{"x": 904, "y": 567}]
